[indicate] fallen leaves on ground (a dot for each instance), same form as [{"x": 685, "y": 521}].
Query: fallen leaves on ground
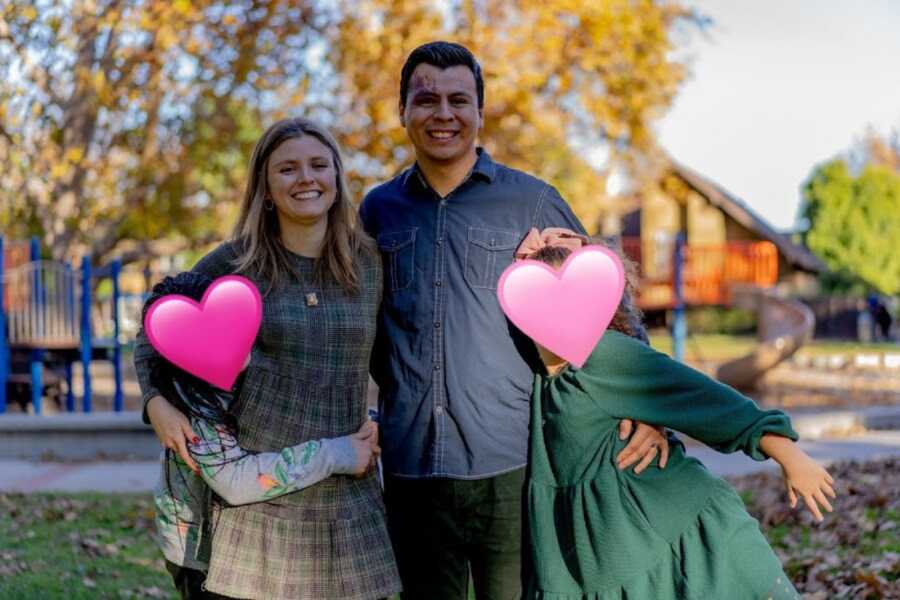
[{"x": 855, "y": 552}]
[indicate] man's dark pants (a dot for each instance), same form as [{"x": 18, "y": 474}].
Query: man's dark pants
[{"x": 442, "y": 527}]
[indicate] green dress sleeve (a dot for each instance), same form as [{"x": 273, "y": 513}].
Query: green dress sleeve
[{"x": 630, "y": 380}]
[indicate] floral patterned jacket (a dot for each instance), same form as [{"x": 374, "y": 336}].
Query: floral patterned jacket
[{"x": 183, "y": 498}]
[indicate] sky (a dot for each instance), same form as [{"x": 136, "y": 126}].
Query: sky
[{"x": 777, "y": 87}]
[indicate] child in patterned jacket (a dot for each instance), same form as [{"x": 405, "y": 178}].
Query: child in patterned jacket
[{"x": 183, "y": 497}]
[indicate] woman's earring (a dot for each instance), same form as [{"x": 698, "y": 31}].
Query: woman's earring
[{"x": 268, "y": 204}]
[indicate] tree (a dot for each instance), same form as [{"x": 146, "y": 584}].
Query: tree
[
  {"x": 133, "y": 119},
  {"x": 126, "y": 125},
  {"x": 562, "y": 77},
  {"x": 855, "y": 222}
]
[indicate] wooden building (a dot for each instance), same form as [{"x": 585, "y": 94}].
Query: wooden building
[{"x": 728, "y": 245}]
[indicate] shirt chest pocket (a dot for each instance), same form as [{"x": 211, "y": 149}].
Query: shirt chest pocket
[
  {"x": 398, "y": 252},
  {"x": 488, "y": 252}
]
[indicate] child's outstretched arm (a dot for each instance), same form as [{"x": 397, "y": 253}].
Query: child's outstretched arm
[
  {"x": 802, "y": 475},
  {"x": 242, "y": 477},
  {"x": 632, "y": 381}
]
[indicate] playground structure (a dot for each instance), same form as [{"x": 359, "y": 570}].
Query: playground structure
[
  {"x": 674, "y": 276},
  {"x": 47, "y": 324}
]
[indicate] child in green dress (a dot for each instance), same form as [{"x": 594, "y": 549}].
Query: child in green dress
[{"x": 595, "y": 531}]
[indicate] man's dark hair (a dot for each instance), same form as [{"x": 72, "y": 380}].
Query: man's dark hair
[{"x": 442, "y": 55}]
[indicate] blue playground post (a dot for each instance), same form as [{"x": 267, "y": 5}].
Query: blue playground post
[
  {"x": 117, "y": 349},
  {"x": 37, "y": 355},
  {"x": 47, "y": 319},
  {"x": 679, "y": 321},
  {"x": 86, "y": 331},
  {"x": 70, "y": 318},
  {"x": 4, "y": 349}
]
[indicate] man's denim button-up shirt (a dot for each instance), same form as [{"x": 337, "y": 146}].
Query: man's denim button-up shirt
[{"x": 455, "y": 378}]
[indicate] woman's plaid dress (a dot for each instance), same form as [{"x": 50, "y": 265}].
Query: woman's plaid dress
[{"x": 306, "y": 380}]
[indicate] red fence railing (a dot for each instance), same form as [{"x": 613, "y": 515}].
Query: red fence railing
[{"x": 710, "y": 270}]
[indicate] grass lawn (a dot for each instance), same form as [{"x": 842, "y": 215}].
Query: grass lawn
[
  {"x": 86, "y": 546},
  {"x": 714, "y": 347},
  {"x": 79, "y": 546}
]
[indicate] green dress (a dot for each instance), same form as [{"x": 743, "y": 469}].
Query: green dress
[{"x": 598, "y": 533}]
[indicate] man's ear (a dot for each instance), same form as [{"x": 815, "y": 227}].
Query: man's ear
[
  {"x": 401, "y": 108},
  {"x": 481, "y": 118}
]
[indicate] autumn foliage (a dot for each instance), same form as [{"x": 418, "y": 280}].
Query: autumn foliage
[{"x": 125, "y": 125}]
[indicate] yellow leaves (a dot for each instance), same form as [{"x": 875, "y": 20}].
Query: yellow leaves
[
  {"x": 74, "y": 155},
  {"x": 29, "y": 13},
  {"x": 98, "y": 78},
  {"x": 101, "y": 87},
  {"x": 183, "y": 7},
  {"x": 166, "y": 37},
  {"x": 60, "y": 170},
  {"x": 553, "y": 70}
]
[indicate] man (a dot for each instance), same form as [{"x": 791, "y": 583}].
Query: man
[{"x": 454, "y": 376}]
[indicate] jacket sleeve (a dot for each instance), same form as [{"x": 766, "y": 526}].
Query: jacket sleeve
[
  {"x": 243, "y": 477},
  {"x": 631, "y": 380},
  {"x": 144, "y": 355}
]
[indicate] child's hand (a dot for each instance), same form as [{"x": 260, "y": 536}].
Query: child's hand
[{"x": 806, "y": 477}]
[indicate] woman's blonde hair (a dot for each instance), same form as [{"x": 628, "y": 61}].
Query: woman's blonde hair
[
  {"x": 261, "y": 250},
  {"x": 628, "y": 316}
]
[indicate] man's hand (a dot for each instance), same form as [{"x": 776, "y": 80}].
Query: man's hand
[
  {"x": 550, "y": 234},
  {"x": 172, "y": 428},
  {"x": 646, "y": 442}
]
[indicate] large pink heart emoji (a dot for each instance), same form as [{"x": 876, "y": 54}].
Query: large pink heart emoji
[
  {"x": 565, "y": 310},
  {"x": 211, "y": 338}
]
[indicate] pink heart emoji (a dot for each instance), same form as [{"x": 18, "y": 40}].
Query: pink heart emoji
[
  {"x": 210, "y": 339},
  {"x": 565, "y": 310}
]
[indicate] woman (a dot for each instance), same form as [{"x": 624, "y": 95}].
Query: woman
[{"x": 298, "y": 239}]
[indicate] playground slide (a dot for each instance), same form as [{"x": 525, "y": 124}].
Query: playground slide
[{"x": 783, "y": 326}]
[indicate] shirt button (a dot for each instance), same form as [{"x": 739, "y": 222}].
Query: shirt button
[
  {"x": 439, "y": 410},
  {"x": 437, "y": 283},
  {"x": 437, "y": 325},
  {"x": 440, "y": 241},
  {"x": 437, "y": 367}
]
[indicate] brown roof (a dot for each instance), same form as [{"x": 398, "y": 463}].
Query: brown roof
[{"x": 796, "y": 255}]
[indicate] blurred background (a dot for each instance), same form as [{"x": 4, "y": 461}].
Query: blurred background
[
  {"x": 747, "y": 153},
  {"x": 746, "y": 156}
]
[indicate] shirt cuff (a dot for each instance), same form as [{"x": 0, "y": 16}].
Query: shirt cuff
[
  {"x": 777, "y": 423},
  {"x": 341, "y": 454}
]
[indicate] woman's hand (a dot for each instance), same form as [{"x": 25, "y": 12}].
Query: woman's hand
[
  {"x": 365, "y": 446},
  {"x": 172, "y": 428},
  {"x": 643, "y": 446}
]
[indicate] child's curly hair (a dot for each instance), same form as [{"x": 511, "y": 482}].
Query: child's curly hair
[
  {"x": 193, "y": 397},
  {"x": 628, "y": 317}
]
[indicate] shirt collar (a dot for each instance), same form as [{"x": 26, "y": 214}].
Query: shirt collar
[{"x": 485, "y": 167}]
